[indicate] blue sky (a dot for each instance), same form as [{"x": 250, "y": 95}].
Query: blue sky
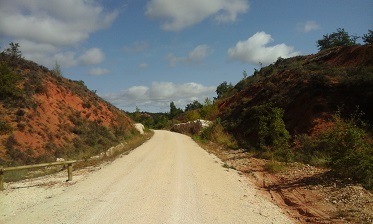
[{"x": 145, "y": 54}]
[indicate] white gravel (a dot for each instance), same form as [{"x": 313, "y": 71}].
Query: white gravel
[{"x": 169, "y": 179}]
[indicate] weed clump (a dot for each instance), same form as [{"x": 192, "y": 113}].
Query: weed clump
[{"x": 274, "y": 167}]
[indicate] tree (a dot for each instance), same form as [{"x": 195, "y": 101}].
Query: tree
[
  {"x": 174, "y": 111},
  {"x": 223, "y": 89},
  {"x": 57, "y": 69},
  {"x": 368, "y": 38},
  {"x": 339, "y": 38},
  {"x": 13, "y": 50},
  {"x": 244, "y": 73},
  {"x": 209, "y": 110},
  {"x": 193, "y": 106}
]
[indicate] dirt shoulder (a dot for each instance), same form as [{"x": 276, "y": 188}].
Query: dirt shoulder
[{"x": 308, "y": 194}]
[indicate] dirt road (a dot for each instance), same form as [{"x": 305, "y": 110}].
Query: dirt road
[{"x": 169, "y": 179}]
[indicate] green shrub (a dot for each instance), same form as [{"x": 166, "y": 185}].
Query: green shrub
[
  {"x": 5, "y": 127},
  {"x": 8, "y": 82},
  {"x": 210, "y": 110},
  {"x": 351, "y": 155},
  {"x": 260, "y": 127},
  {"x": 216, "y": 133},
  {"x": 345, "y": 148},
  {"x": 310, "y": 151},
  {"x": 272, "y": 131}
]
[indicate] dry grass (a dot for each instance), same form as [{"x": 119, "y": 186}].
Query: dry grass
[{"x": 132, "y": 143}]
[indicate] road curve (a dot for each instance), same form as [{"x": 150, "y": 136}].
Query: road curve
[{"x": 169, "y": 179}]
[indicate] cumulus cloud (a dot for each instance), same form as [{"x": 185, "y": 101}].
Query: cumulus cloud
[
  {"x": 91, "y": 57},
  {"x": 48, "y": 55},
  {"x": 98, "y": 71},
  {"x": 47, "y": 29},
  {"x": 179, "y": 14},
  {"x": 255, "y": 50},
  {"x": 308, "y": 26},
  {"x": 158, "y": 95},
  {"x": 55, "y": 22},
  {"x": 197, "y": 55}
]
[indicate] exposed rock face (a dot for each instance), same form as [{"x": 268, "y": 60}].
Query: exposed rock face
[
  {"x": 54, "y": 117},
  {"x": 191, "y": 127}
]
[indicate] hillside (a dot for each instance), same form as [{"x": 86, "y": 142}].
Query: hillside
[
  {"x": 44, "y": 116},
  {"x": 310, "y": 89},
  {"x": 314, "y": 114}
]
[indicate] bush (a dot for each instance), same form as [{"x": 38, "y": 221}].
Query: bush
[
  {"x": 345, "y": 148},
  {"x": 274, "y": 167},
  {"x": 8, "y": 82},
  {"x": 310, "y": 151},
  {"x": 5, "y": 127},
  {"x": 339, "y": 38},
  {"x": 217, "y": 134},
  {"x": 272, "y": 132},
  {"x": 351, "y": 155},
  {"x": 209, "y": 111}
]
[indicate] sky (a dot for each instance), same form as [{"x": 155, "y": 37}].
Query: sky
[{"x": 146, "y": 53}]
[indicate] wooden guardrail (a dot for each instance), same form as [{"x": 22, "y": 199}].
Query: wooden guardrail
[{"x": 68, "y": 163}]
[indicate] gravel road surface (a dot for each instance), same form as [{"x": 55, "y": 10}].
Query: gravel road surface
[{"x": 168, "y": 179}]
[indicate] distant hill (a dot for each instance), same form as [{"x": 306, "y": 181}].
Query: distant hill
[
  {"x": 44, "y": 115},
  {"x": 309, "y": 88}
]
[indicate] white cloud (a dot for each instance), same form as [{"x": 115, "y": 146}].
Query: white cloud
[
  {"x": 197, "y": 55},
  {"x": 179, "y": 14},
  {"x": 48, "y": 55},
  {"x": 255, "y": 50},
  {"x": 158, "y": 95},
  {"x": 98, "y": 71},
  {"x": 91, "y": 57},
  {"x": 48, "y": 31},
  {"x": 136, "y": 47},
  {"x": 307, "y": 26},
  {"x": 55, "y": 22}
]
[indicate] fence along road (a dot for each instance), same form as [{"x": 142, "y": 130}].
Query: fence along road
[{"x": 169, "y": 179}]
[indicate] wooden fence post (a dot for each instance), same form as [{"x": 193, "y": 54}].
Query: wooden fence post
[
  {"x": 69, "y": 172},
  {"x": 1, "y": 179}
]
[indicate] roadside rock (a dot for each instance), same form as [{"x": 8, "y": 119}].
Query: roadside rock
[{"x": 140, "y": 127}]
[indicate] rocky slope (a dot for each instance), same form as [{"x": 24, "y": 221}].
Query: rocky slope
[
  {"x": 310, "y": 89},
  {"x": 44, "y": 115}
]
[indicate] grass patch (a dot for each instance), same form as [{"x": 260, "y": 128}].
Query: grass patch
[
  {"x": 274, "y": 167},
  {"x": 225, "y": 165}
]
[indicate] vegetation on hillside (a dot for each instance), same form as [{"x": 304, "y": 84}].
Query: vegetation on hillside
[
  {"x": 296, "y": 109},
  {"x": 44, "y": 116},
  {"x": 302, "y": 109},
  {"x": 342, "y": 38}
]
